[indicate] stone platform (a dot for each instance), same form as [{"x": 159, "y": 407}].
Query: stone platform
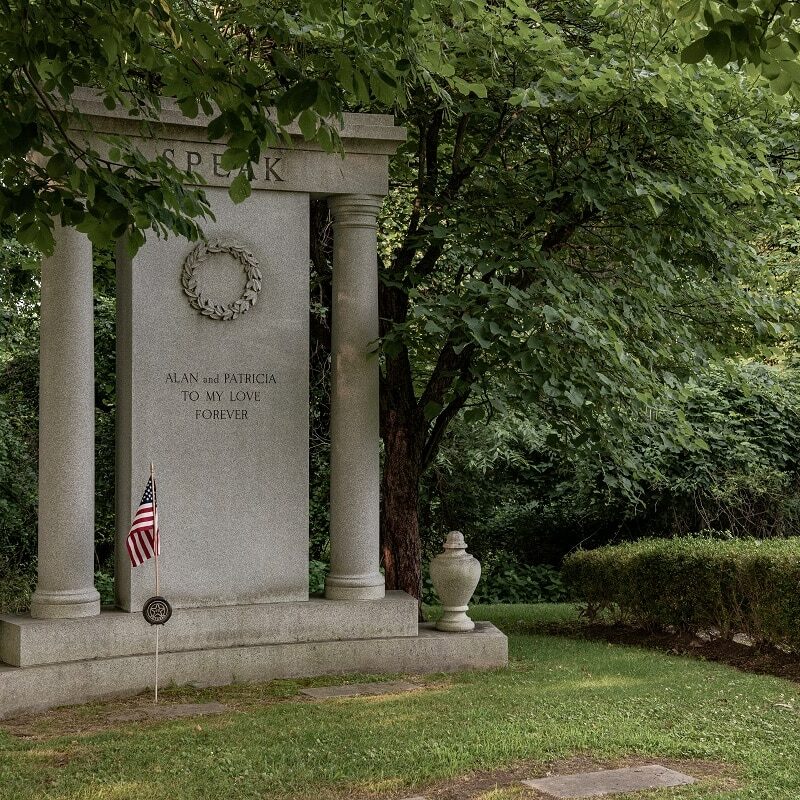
[
  {"x": 46, "y": 663},
  {"x": 27, "y": 642},
  {"x": 45, "y": 685}
]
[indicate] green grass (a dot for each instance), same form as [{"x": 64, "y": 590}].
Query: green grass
[{"x": 559, "y": 697}]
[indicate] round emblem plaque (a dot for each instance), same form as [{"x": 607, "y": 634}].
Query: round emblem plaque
[
  {"x": 157, "y": 610},
  {"x": 207, "y": 306}
]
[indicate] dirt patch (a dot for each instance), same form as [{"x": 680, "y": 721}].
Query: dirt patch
[
  {"x": 763, "y": 660},
  {"x": 716, "y": 776},
  {"x": 174, "y": 703},
  {"x": 95, "y": 717},
  {"x": 170, "y": 711}
]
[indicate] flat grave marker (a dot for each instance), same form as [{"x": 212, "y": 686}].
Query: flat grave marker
[{"x": 609, "y": 781}]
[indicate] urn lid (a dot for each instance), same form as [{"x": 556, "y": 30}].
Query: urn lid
[{"x": 455, "y": 541}]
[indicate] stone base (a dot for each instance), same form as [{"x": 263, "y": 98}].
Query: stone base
[
  {"x": 27, "y": 642},
  {"x": 35, "y": 688}
]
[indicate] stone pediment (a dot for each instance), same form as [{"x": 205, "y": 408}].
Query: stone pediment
[{"x": 367, "y": 139}]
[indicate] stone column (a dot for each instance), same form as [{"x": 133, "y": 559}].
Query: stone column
[
  {"x": 355, "y": 465},
  {"x": 65, "y": 587}
]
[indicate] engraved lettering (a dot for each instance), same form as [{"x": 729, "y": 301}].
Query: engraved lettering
[
  {"x": 216, "y": 162},
  {"x": 241, "y": 395},
  {"x": 171, "y": 156},
  {"x": 182, "y": 377},
  {"x": 249, "y": 377},
  {"x": 243, "y": 391},
  {"x": 269, "y": 171},
  {"x": 193, "y": 159},
  {"x": 220, "y": 413}
]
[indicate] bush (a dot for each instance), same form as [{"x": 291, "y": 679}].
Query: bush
[
  {"x": 726, "y": 457},
  {"x": 317, "y": 572},
  {"x": 745, "y": 586},
  {"x": 16, "y": 586}
]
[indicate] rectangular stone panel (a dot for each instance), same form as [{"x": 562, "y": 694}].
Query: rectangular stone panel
[
  {"x": 219, "y": 406},
  {"x": 609, "y": 782}
]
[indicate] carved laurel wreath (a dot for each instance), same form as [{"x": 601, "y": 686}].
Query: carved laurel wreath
[{"x": 206, "y": 305}]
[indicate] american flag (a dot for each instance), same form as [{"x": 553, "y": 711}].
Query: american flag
[{"x": 143, "y": 541}]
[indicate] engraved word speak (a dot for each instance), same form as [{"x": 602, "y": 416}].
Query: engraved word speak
[{"x": 268, "y": 171}]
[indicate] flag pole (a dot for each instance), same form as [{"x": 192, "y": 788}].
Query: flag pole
[
  {"x": 155, "y": 549},
  {"x": 155, "y": 525}
]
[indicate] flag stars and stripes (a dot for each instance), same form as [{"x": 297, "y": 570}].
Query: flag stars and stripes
[{"x": 143, "y": 540}]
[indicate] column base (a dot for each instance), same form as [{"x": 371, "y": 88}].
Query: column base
[
  {"x": 65, "y": 605},
  {"x": 355, "y": 587}
]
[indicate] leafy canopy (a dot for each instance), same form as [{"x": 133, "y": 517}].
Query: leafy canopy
[
  {"x": 233, "y": 61},
  {"x": 762, "y": 34},
  {"x": 584, "y": 230}
]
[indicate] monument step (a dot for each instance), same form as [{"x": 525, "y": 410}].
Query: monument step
[
  {"x": 28, "y": 689},
  {"x": 27, "y": 642}
]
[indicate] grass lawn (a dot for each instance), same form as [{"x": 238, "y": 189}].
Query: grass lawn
[{"x": 559, "y": 699}]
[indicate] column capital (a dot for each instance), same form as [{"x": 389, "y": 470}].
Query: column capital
[{"x": 355, "y": 210}]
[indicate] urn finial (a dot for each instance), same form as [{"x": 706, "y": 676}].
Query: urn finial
[{"x": 455, "y": 574}]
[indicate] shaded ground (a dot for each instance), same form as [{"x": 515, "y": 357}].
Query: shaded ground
[
  {"x": 763, "y": 660},
  {"x": 175, "y": 703}
]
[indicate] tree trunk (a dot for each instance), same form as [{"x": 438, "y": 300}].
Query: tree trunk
[{"x": 400, "y": 542}]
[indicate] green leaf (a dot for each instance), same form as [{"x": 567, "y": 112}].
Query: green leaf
[
  {"x": 240, "y": 189},
  {"x": 432, "y": 410},
  {"x": 308, "y": 124},
  {"x": 233, "y": 158},
  {"x": 301, "y": 96},
  {"x": 58, "y": 165},
  {"x": 575, "y": 397},
  {"x": 688, "y": 11},
  {"x": 782, "y": 83},
  {"x": 718, "y": 46},
  {"x": 792, "y": 69},
  {"x": 694, "y": 53},
  {"x": 479, "y": 89},
  {"x": 770, "y": 69},
  {"x": 474, "y": 414}
]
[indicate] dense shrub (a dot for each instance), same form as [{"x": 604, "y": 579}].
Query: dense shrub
[
  {"x": 745, "y": 586},
  {"x": 727, "y": 458},
  {"x": 317, "y": 572},
  {"x": 19, "y": 390},
  {"x": 16, "y": 586}
]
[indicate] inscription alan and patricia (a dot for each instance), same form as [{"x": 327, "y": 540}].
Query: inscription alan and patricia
[{"x": 239, "y": 388}]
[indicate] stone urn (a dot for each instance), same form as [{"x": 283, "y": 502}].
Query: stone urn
[{"x": 455, "y": 574}]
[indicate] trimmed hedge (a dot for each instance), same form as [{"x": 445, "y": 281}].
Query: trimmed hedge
[{"x": 695, "y": 584}]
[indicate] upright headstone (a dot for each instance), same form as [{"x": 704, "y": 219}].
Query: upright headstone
[{"x": 212, "y": 367}]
